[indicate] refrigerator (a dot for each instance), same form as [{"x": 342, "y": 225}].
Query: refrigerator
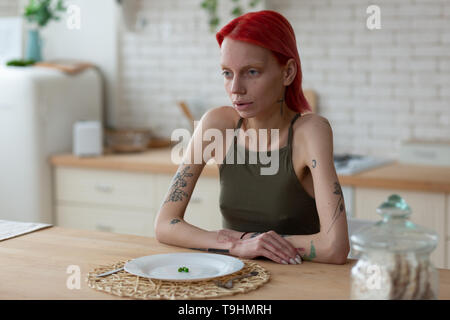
[{"x": 38, "y": 108}]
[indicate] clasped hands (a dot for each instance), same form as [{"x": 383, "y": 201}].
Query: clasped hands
[{"x": 269, "y": 244}]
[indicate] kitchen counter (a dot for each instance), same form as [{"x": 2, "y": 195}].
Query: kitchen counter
[
  {"x": 34, "y": 266},
  {"x": 390, "y": 176}
]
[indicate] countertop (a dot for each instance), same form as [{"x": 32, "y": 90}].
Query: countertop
[
  {"x": 391, "y": 176},
  {"x": 34, "y": 266}
]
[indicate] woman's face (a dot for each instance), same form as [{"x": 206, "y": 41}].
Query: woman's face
[{"x": 252, "y": 76}]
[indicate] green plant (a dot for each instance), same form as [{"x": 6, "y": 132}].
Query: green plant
[
  {"x": 20, "y": 63},
  {"x": 42, "y": 11},
  {"x": 211, "y": 8}
]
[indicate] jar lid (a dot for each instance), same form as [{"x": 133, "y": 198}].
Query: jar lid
[{"x": 395, "y": 232}]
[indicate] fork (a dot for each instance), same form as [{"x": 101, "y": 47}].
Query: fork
[
  {"x": 229, "y": 284},
  {"x": 109, "y": 272}
]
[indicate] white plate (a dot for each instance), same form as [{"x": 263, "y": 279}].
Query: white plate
[{"x": 201, "y": 266}]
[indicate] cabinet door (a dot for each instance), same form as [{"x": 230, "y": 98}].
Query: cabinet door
[
  {"x": 428, "y": 210},
  {"x": 203, "y": 209},
  {"x": 105, "y": 187},
  {"x": 448, "y": 231},
  {"x": 127, "y": 221}
]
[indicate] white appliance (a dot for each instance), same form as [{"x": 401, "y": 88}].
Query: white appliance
[
  {"x": 38, "y": 108},
  {"x": 87, "y": 138}
]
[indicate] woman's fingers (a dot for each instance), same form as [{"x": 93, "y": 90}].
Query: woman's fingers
[
  {"x": 283, "y": 247},
  {"x": 268, "y": 253},
  {"x": 269, "y": 242}
]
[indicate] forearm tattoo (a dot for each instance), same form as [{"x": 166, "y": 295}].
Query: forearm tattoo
[
  {"x": 312, "y": 253},
  {"x": 340, "y": 205},
  {"x": 214, "y": 250},
  {"x": 174, "y": 221},
  {"x": 314, "y": 163},
  {"x": 179, "y": 181}
]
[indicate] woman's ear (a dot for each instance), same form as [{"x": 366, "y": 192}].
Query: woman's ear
[{"x": 290, "y": 71}]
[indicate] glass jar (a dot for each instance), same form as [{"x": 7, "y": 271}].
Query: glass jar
[{"x": 394, "y": 257}]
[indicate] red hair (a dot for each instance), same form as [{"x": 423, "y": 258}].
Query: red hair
[{"x": 270, "y": 30}]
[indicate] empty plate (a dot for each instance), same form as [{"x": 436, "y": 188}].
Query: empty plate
[{"x": 201, "y": 266}]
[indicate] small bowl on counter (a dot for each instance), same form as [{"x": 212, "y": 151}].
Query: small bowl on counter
[{"x": 127, "y": 140}]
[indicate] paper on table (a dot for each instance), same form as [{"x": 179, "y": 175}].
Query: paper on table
[{"x": 10, "y": 229}]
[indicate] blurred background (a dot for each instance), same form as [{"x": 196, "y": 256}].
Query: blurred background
[{"x": 377, "y": 87}]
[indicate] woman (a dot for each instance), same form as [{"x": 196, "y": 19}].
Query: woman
[{"x": 297, "y": 213}]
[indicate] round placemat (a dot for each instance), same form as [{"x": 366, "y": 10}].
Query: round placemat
[{"x": 125, "y": 284}]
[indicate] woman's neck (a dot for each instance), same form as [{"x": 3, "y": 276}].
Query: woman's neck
[{"x": 268, "y": 121}]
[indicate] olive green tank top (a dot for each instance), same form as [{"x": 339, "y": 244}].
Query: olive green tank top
[{"x": 250, "y": 201}]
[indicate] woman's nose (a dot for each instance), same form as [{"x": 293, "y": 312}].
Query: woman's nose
[{"x": 237, "y": 86}]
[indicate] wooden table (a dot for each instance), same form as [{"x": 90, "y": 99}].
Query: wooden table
[{"x": 34, "y": 266}]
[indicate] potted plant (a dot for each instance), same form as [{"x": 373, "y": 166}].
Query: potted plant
[
  {"x": 213, "y": 18},
  {"x": 39, "y": 13}
]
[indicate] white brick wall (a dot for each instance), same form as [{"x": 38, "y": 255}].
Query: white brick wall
[
  {"x": 9, "y": 8},
  {"x": 377, "y": 87}
]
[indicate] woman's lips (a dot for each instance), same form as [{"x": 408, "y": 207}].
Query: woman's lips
[{"x": 242, "y": 106}]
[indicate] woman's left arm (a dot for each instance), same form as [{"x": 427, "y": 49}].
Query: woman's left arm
[{"x": 331, "y": 244}]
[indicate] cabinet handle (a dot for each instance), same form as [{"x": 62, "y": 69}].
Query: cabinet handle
[
  {"x": 104, "y": 188},
  {"x": 102, "y": 227},
  {"x": 196, "y": 199}
]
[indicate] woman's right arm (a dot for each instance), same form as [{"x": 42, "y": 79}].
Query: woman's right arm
[{"x": 170, "y": 226}]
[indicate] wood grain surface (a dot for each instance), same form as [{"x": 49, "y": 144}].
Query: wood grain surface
[{"x": 34, "y": 266}]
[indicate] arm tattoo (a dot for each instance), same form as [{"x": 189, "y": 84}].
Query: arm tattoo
[
  {"x": 312, "y": 253},
  {"x": 179, "y": 181},
  {"x": 174, "y": 221},
  {"x": 314, "y": 163},
  {"x": 340, "y": 205},
  {"x": 214, "y": 250}
]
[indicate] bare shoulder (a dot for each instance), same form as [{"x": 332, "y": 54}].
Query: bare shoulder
[
  {"x": 312, "y": 136},
  {"x": 222, "y": 118},
  {"x": 312, "y": 126},
  {"x": 312, "y": 121}
]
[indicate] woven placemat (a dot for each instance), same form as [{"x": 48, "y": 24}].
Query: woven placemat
[{"x": 124, "y": 284}]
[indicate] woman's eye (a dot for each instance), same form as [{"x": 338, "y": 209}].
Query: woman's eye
[
  {"x": 225, "y": 73},
  {"x": 253, "y": 72}
]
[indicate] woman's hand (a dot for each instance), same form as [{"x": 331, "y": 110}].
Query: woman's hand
[{"x": 268, "y": 244}]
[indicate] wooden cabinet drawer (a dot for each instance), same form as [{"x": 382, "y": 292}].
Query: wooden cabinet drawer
[
  {"x": 109, "y": 220},
  {"x": 448, "y": 219},
  {"x": 428, "y": 210},
  {"x": 448, "y": 255},
  {"x": 203, "y": 209},
  {"x": 103, "y": 187}
]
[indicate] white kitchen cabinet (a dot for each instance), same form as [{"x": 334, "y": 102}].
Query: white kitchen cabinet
[
  {"x": 119, "y": 220},
  {"x": 125, "y": 201},
  {"x": 428, "y": 210},
  {"x": 105, "y": 200},
  {"x": 105, "y": 187}
]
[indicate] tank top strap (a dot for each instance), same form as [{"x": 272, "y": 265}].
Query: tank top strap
[
  {"x": 239, "y": 123},
  {"x": 291, "y": 130},
  {"x": 236, "y": 130}
]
